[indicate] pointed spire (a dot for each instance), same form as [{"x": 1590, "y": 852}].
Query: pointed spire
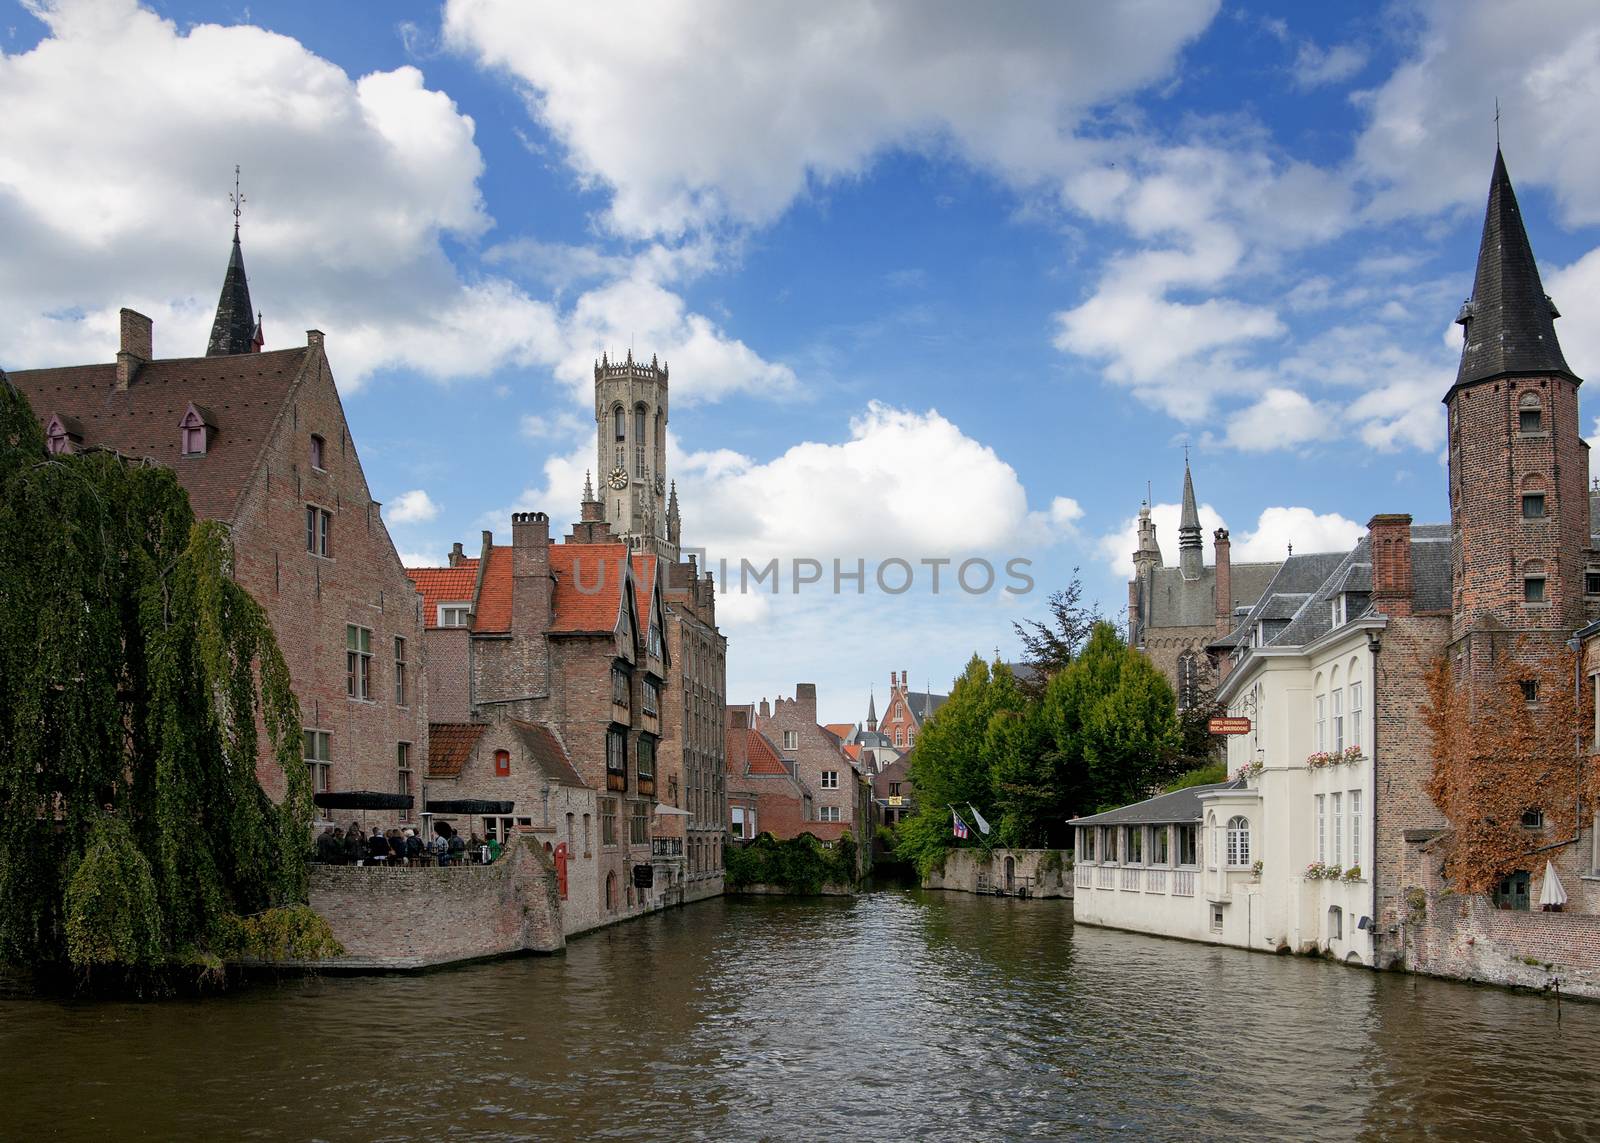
[
  {"x": 872, "y": 710},
  {"x": 1191, "y": 557},
  {"x": 672, "y": 502},
  {"x": 258, "y": 338},
  {"x": 588, "y": 487},
  {"x": 1509, "y": 320},
  {"x": 233, "y": 330}
]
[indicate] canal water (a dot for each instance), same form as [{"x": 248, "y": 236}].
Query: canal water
[{"x": 898, "y": 1015}]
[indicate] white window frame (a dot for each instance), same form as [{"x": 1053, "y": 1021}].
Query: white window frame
[
  {"x": 791, "y": 740},
  {"x": 1322, "y": 828},
  {"x": 1338, "y": 720},
  {"x": 1337, "y": 808},
  {"x": 828, "y": 814},
  {"x": 461, "y": 609},
  {"x": 1238, "y": 838},
  {"x": 1320, "y": 735},
  {"x": 1356, "y": 733},
  {"x": 830, "y": 779},
  {"x": 1355, "y": 827}
]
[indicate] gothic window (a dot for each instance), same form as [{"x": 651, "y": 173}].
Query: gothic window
[
  {"x": 1187, "y": 680},
  {"x": 638, "y": 440},
  {"x": 1530, "y": 416},
  {"x": 620, "y": 421}
]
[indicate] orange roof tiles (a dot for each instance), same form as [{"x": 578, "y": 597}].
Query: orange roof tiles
[
  {"x": 840, "y": 730},
  {"x": 760, "y": 754},
  {"x": 493, "y": 614},
  {"x": 450, "y": 744},
  {"x": 853, "y": 750},
  {"x": 587, "y": 586},
  {"x": 548, "y": 752},
  {"x": 443, "y": 585}
]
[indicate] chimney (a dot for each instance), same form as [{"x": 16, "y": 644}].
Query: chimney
[
  {"x": 766, "y": 711},
  {"x": 805, "y": 696},
  {"x": 1390, "y": 536},
  {"x": 1224, "y": 582},
  {"x": 456, "y": 554},
  {"x": 530, "y": 574},
  {"x": 314, "y": 337},
  {"x": 136, "y": 346},
  {"x": 740, "y": 718}
]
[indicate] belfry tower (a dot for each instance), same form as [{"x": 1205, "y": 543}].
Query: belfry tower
[
  {"x": 630, "y": 413},
  {"x": 1519, "y": 467}
]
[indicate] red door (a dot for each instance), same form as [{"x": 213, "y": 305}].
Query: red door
[{"x": 561, "y": 869}]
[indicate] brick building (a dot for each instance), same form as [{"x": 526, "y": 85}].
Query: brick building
[
  {"x": 904, "y": 713},
  {"x": 764, "y": 793},
  {"x": 841, "y": 794},
  {"x": 259, "y": 440}
]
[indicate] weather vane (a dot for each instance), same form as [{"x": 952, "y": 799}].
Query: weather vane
[
  {"x": 237, "y": 198},
  {"x": 1497, "y": 123}
]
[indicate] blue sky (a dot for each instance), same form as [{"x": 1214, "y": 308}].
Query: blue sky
[{"x": 935, "y": 280}]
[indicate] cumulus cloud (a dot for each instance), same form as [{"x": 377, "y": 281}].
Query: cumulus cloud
[
  {"x": 414, "y": 507},
  {"x": 706, "y": 112},
  {"x": 1576, "y": 289},
  {"x": 1281, "y": 418},
  {"x": 1427, "y": 138},
  {"x": 353, "y": 188},
  {"x": 1275, "y": 530}
]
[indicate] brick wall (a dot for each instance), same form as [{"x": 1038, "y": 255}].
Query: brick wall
[
  {"x": 1468, "y": 938},
  {"x": 449, "y": 692},
  {"x": 311, "y": 599},
  {"x": 814, "y": 752},
  {"x": 1403, "y": 761},
  {"x": 1049, "y": 870},
  {"x": 414, "y": 918}
]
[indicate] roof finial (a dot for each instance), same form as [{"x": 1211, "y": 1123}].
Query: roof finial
[
  {"x": 237, "y": 198},
  {"x": 1497, "y": 123}
]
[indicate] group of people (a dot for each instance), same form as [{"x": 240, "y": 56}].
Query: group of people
[{"x": 394, "y": 847}]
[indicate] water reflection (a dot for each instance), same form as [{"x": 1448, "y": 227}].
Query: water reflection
[{"x": 900, "y": 1015}]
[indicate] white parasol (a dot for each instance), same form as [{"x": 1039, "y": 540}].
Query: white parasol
[{"x": 1551, "y": 894}]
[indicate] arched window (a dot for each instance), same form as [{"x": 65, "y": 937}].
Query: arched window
[
  {"x": 611, "y": 892},
  {"x": 1530, "y": 414},
  {"x": 1238, "y": 842},
  {"x": 620, "y": 421},
  {"x": 639, "y": 439}
]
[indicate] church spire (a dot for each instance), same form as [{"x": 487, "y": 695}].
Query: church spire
[
  {"x": 1190, "y": 555},
  {"x": 235, "y": 327},
  {"x": 1509, "y": 321},
  {"x": 872, "y": 710}
]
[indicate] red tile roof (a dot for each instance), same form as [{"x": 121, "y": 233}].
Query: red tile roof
[
  {"x": 443, "y": 585},
  {"x": 595, "y": 568},
  {"x": 548, "y": 752},
  {"x": 761, "y": 756},
  {"x": 840, "y": 730},
  {"x": 494, "y": 598},
  {"x": 450, "y": 744},
  {"x": 853, "y": 751},
  {"x": 644, "y": 578},
  {"x": 242, "y": 394}
]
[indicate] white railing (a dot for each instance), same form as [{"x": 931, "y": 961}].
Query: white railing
[
  {"x": 1130, "y": 878},
  {"x": 1083, "y": 878},
  {"x": 1183, "y": 883},
  {"x": 1106, "y": 878},
  {"x": 1155, "y": 881}
]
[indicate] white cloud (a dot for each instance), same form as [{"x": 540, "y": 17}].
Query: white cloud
[
  {"x": 1576, "y": 290},
  {"x": 705, "y": 112},
  {"x": 414, "y": 507},
  {"x": 1316, "y": 66},
  {"x": 1275, "y": 529},
  {"x": 423, "y": 559},
  {"x": 538, "y": 426},
  {"x": 1282, "y": 418},
  {"x": 1426, "y": 145}
]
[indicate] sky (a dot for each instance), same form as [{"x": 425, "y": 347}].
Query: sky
[{"x": 936, "y": 281}]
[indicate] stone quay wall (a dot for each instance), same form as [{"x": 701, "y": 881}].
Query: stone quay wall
[
  {"x": 1045, "y": 872},
  {"x": 419, "y": 918},
  {"x": 1467, "y": 938}
]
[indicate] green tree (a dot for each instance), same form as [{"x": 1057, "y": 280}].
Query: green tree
[
  {"x": 1048, "y": 646},
  {"x": 1112, "y": 718},
  {"x": 135, "y": 678},
  {"x": 954, "y": 762}
]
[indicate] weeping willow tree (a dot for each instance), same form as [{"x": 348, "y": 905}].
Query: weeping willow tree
[{"x": 136, "y": 680}]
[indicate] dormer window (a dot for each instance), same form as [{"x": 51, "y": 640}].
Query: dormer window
[
  {"x": 317, "y": 446},
  {"x": 62, "y": 435},
  {"x": 195, "y": 430}
]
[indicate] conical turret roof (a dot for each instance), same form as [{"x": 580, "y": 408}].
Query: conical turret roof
[
  {"x": 234, "y": 329},
  {"x": 1509, "y": 321}
]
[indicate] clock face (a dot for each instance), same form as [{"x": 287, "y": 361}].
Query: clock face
[{"x": 618, "y": 478}]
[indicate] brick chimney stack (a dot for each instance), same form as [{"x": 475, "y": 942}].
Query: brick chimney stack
[
  {"x": 136, "y": 346},
  {"x": 805, "y": 696},
  {"x": 456, "y": 554},
  {"x": 1390, "y": 535},
  {"x": 1224, "y": 583},
  {"x": 530, "y": 572}
]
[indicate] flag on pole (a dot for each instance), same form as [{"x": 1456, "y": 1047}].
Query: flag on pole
[
  {"x": 959, "y": 826},
  {"x": 983, "y": 826}
]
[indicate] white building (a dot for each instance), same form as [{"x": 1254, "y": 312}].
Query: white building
[{"x": 1285, "y": 855}]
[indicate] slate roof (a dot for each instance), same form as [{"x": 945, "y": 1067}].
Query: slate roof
[
  {"x": 1509, "y": 320},
  {"x": 443, "y": 585},
  {"x": 233, "y": 330},
  {"x": 1178, "y": 806},
  {"x": 244, "y": 395},
  {"x": 450, "y": 745},
  {"x": 925, "y": 704},
  {"x": 548, "y": 752},
  {"x": 1173, "y": 601}
]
